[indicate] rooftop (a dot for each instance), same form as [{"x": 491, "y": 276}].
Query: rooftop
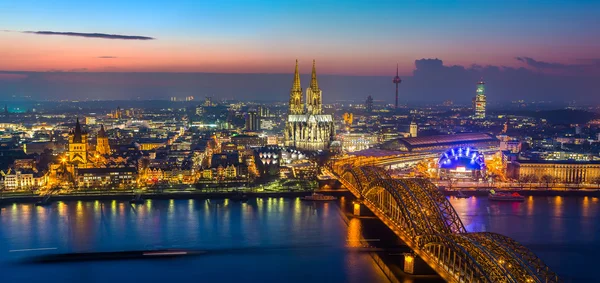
[{"x": 438, "y": 140}]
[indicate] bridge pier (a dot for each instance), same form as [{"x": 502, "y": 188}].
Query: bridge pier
[
  {"x": 358, "y": 208},
  {"x": 409, "y": 263}
]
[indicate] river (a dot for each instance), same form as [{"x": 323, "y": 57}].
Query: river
[{"x": 265, "y": 239}]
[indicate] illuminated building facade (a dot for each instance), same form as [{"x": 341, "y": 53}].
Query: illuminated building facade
[
  {"x": 117, "y": 114},
  {"x": 413, "y": 129},
  {"x": 21, "y": 179},
  {"x": 560, "y": 171},
  {"x": 78, "y": 146},
  {"x": 357, "y": 141},
  {"x": 479, "y": 102},
  {"x": 102, "y": 146},
  {"x": 307, "y": 128},
  {"x": 99, "y": 177}
]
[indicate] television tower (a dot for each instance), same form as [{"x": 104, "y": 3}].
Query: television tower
[{"x": 397, "y": 81}]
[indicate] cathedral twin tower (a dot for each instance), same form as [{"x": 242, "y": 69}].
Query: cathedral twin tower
[{"x": 307, "y": 128}]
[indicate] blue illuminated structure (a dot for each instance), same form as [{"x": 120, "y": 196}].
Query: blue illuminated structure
[{"x": 461, "y": 162}]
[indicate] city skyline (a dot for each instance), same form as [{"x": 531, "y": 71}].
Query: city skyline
[
  {"x": 279, "y": 141},
  {"x": 432, "y": 81}
]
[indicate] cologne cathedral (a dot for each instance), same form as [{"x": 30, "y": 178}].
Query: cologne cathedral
[{"x": 307, "y": 128}]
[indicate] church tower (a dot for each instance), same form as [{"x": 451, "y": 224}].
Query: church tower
[
  {"x": 296, "y": 107},
  {"x": 78, "y": 146},
  {"x": 314, "y": 104},
  {"x": 102, "y": 146},
  {"x": 307, "y": 128}
]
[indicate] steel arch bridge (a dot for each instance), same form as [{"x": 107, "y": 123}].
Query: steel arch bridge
[{"x": 424, "y": 219}]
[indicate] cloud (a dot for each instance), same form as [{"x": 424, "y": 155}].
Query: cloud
[
  {"x": 93, "y": 35},
  {"x": 77, "y": 70},
  {"x": 542, "y": 65},
  {"x": 589, "y": 67},
  {"x": 107, "y": 57},
  {"x": 538, "y": 80}
]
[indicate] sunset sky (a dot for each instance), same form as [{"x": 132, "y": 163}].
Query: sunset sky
[
  {"x": 65, "y": 48},
  {"x": 252, "y": 36}
]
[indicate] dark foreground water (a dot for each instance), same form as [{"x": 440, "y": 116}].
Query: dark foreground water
[
  {"x": 563, "y": 231},
  {"x": 264, "y": 240}
]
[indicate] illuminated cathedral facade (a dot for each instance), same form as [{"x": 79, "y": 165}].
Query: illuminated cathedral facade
[
  {"x": 81, "y": 155},
  {"x": 307, "y": 128},
  {"x": 78, "y": 146}
]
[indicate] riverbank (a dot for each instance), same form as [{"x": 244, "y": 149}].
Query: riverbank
[
  {"x": 526, "y": 192},
  {"x": 129, "y": 195}
]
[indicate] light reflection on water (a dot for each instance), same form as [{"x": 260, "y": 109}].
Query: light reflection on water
[
  {"x": 561, "y": 230},
  {"x": 214, "y": 224}
]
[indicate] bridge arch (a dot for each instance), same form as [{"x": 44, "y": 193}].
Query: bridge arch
[
  {"x": 519, "y": 260},
  {"x": 355, "y": 178},
  {"x": 408, "y": 210},
  {"x": 443, "y": 206},
  {"x": 422, "y": 216}
]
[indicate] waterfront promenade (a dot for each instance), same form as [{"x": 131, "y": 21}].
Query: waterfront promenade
[{"x": 274, "y": 189}]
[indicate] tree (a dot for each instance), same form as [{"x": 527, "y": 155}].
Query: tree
[
  {"x": 424, "y": 169},
  {"x": 548, "y": 179},
  {"x": 523, "y": 180},
  {"x": 496, "y": 168},
  {"x": 528, "y": 179},
  {"x": 533, "y": 179}
]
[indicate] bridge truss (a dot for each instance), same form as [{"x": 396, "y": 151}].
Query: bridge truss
[{"x": 424, "y": 219}]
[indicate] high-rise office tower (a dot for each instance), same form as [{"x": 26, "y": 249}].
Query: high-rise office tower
[
  {"x": 252, "y": 121},
  {"x": 479, "y": 102},
  {"x": 369, "y": 104}
]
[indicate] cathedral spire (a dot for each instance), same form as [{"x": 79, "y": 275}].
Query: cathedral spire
[
  {"x": 296, "y": 86},
  {"x": 102, "y": 132},
  {"x": 313, "y": 81},
  {"x": 77, "y": 132},
  {"x": 296, "y": 107}
]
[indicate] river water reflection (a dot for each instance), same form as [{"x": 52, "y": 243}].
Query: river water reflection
[
  {"x": 265, "y": 239},
  {"x": 563, "y": 231}
]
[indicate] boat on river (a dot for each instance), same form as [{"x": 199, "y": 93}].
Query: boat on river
[
  {"x": 318, "y": 197},
  {"x": 494, "y": 196},
  {"x": 460, "y": 194}
]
